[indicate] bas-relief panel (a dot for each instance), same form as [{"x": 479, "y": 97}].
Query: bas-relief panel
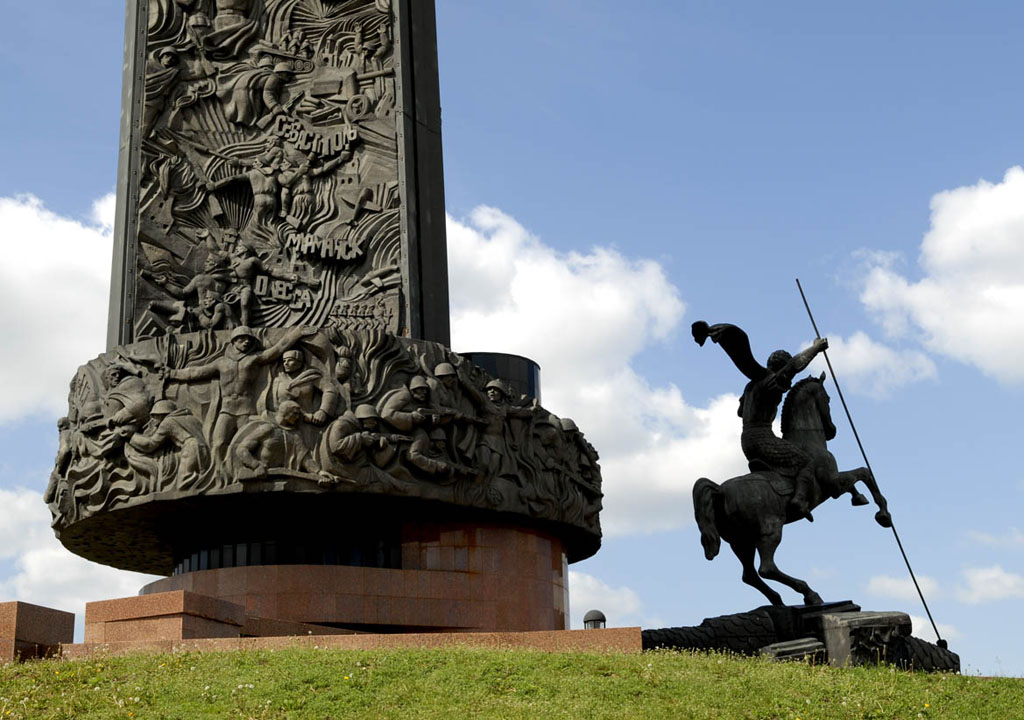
[
  {"x": 268, "y": 176},
  {"x": 359, "y": 411}
]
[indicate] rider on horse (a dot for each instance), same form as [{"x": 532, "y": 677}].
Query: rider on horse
[{"x": 760, "y": 403}]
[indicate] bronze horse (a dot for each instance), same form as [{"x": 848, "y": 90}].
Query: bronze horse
[{"x": 748, "y": 512}]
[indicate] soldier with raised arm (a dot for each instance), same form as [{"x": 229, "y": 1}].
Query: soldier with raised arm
[
  {"x": 760, "y": 403},
  {"x": 236, "y": 372}
]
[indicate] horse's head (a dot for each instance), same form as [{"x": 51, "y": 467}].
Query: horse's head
[{"x": 807, "y": 411}]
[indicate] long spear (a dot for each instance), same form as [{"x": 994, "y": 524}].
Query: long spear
[{"x": 941, "y": 643}]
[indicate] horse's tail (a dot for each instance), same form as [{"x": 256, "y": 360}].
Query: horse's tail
[{"x": 704, "y": 493}]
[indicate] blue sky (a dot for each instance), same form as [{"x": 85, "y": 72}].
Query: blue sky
[{"x": 617, "y": 171}]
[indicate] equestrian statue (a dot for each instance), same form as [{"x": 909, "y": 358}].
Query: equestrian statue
[{"x": 789, "y": 476}]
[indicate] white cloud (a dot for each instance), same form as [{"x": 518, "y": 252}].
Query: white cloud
[
  {"x": 989, "y": 585},
  {"x": 621, "y": 605},
  {"x": 923, "y": 629},
  {"x": 102, "y": 213},
  {"x": 1012, "y": 538},
  {"x": 902, "y": 588},
  {"x": 54, "y": 287},
  {"x": 969, "y": 302},
  {"x": 584, "y": 318},
  {"x": 20, "y": 527},
  {"x": 872, "y": 368},
  {"x": 45, "y": 573}
]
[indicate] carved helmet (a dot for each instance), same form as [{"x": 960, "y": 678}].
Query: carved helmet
[
  {"x": 497, "y": 384},
  {"x": 438, "y": 434},
  {"x": 241, "y": 331},
  {"x": 568, "y": 425},
  {"x": 365, "y": 412},
  {"x": 549, "y": 419},
  {"x": 419, "y": 382},
  {"x": 163, "y": 407},
  {"x": 293, "y": 355},
  {"x": 444, "y": 369}
]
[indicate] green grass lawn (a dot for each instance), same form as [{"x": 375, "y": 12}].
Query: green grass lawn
[{"x": 469, "y": 683}]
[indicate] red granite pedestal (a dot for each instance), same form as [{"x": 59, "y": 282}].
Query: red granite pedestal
[
  {"x": 455, "y": 577},
  {"x": 468, "y": 585},
  {"x": 32, "y": 631}
]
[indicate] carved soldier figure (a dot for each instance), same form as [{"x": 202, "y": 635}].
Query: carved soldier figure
[
  {"x": 408, "y": 408},
  {"x": 213, "y": 279},
  {"x": 263, "y": 181},
  {"x": 213, "y": 312},
  {"x": 357, "y": 53},
  {"x": 179, "y": 431},
  {"x": 253, "y": 95},
  {"x": 65, "y": 454},
  {"x": 126, "y": 401},
  {"x": 161, "y": 71},
  {"x": 263, "y": 445},
  {"x": 125, "y": 408},
  {"x": 430, "y": 454},
  {"x": 493, "y": 450},
  {"x": 455, "y": 411},
  {"x": 343, "y": 367},
  {"x": 384, "y": 46},
  {"x": 355, "y": 440},
  {"x": 582, "y": 455},
  {"x": 444, "y": 393},
  {"x": 297, "y": 200},
  {"x": 236, "y": 373},
  {"x": 760, "y": 403},
  {"x": 550, "y": 445},
  {"x": 232, "y": 29},
  {"x": 246, "y": 266},
  {"x": 308, "y": 387},
  {"x": 273, "y": 152}
]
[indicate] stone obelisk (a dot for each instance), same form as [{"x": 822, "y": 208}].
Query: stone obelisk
[{"x": 278, "y": 421}]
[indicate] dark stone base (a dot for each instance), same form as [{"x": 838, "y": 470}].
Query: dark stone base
[{"x": 837, "y": 633}]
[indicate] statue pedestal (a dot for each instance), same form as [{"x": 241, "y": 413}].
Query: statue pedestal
[
  {"x": 32, "y": 631},
  {"x": 452, "y": 577},
  {"x": 836, "y": 633}
]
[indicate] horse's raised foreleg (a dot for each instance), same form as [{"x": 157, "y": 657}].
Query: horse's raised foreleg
[
  {"x": 745, "y": 553},
  {"x": 862, "y": 474},
  {"x": 766, "y": 547}
]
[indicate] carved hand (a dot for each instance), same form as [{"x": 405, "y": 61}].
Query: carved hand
[
  {"x": 319, "y": 418},
  {"x": 325, "y": 479}
]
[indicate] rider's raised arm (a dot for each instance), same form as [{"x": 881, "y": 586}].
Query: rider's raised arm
[{"x": 803, "y": 358}]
